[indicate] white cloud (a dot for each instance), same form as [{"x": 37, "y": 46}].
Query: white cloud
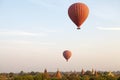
[
  {"x": 47, "y": 43},
  {"x": 109, "y": 28},
  {"x": 24, "y": 43},
  {"x": 20, "y": 33}
]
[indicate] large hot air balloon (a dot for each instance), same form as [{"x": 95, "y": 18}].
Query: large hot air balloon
[
  {"x": 67, "y": 54},
  {"x": 78, "y": 12}
]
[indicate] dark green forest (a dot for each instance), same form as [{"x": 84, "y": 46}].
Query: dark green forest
[{"x": 83, "y": 75}]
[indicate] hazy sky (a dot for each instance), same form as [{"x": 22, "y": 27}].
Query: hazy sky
[{"x": 34, "y": 34}]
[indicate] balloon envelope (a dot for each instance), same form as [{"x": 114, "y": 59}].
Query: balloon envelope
[
  {"x": 67, "y": 54},
  {"x": 78, "y": 12}
]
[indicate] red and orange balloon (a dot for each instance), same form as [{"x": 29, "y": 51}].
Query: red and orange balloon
[
  {"x": 78, "y": 12},
  {"x": 67, "y": 54}
]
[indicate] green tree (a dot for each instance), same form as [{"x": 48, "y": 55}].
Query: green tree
[
  {"x": 24, "y": 77},
  {"x": 88, "y": 73},
  {"x": 118, "y": 78},
  {"x": 85, "y": 77},
  {"x": 38, "y": 77}
]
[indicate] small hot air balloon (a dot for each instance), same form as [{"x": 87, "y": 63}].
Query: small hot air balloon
[
  {"x": 67, "y": 54},
  {"x": 78, "y": 12}
]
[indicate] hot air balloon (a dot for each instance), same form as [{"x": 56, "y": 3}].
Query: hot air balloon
[
  {"x": 78, "y": 12},
  {"x": 67, "y": 54}
]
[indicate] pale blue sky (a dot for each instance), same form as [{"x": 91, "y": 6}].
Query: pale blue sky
[{"x": 34, "y": 33}]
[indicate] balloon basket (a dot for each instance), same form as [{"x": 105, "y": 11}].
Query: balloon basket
[{"x": 78, "y": 28}]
